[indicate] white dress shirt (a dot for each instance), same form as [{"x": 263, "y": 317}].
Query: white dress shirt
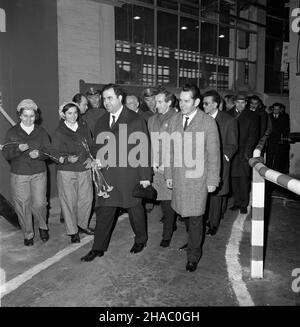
[
  {"x": 116, "y": 114},
  {"x": 191, "y": 116}
]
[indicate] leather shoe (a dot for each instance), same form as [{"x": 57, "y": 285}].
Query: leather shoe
[
  {"x": 183, "y": 247},
  {"x": 165, "y": 243},
  {"x": 44, "y": 234},
  {"x": 211, "y": 231},
  {"x": 75, "y": 238},
  {"x": 234, "y": 207},
  {"x": 28, "y": 242},
  {"x": 88, "y": 230},
  {"x": 191, "y": 266},
  {"x": 243, "y": 210},
  {"x": 92, "y": 255},
  {"x": 137, "y": 247}
]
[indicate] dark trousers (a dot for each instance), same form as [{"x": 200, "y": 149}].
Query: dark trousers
[
  {"x": 105, "y": 217},
  {"x": 215, "y": 210},
  {"x": 240, "y": 190},
  {"x": 195, "y": 229},
  {"x": 169, "y": 219}
]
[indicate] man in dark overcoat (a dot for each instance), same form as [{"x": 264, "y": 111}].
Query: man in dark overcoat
[
  {"x": 228, "y": 133},
  {"x": 278, "y": 147},
  {"x": 117, "y": 133},
  {"x": 248, "y": 129}
]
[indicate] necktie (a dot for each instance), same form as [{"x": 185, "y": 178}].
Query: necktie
[
  {"x": 113, "y": 121},
  {"x": 186, "y": 123}
]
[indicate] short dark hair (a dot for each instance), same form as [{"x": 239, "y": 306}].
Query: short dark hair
[
  {"x": 77, "y": 98},
  {"x": 277, "y": 104},
  {"x": 175, "y": 102},
  {"x": 255, "y": 97},
  {"x": 192, "y": 88},
  {"x": 117, "y": 89},
  {"x": 215, "y": 95},
  {"x": 68, "y": 106},
  {"x": 230, "y": 97}
]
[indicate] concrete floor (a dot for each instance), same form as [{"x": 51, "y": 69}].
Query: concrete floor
[{"x": 154, "y": 277}]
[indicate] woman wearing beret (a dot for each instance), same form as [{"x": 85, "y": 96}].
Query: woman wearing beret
[
  {"x": 70, "y": 143},
  {"x": 24, "y": 148}
]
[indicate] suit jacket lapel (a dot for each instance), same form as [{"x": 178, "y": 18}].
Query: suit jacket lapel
[
  {"x": 121, "y": 120},
  {"x": 193, "y": 121}
]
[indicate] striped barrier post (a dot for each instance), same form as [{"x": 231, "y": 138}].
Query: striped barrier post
[
  {"x": 257, "y": 223},
  {"x": 260, "y": 173}
]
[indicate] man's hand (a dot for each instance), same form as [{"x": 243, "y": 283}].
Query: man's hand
[
  {"x": 61, "y": 160},
  {"x": 23, "y": 147},
  {"x": 34, "y": 154},
  {"x": 145, "y": 183},
  {"x": 73, "y": 159},
  {"x": 169, "y": 183},
  {"x": 211, "y": 188}
]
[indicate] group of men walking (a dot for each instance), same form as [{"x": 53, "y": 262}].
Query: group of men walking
[{"x": 195, "y": 156}]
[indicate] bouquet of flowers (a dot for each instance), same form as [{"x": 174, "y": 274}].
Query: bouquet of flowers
[{"x": 102, "y": 187}]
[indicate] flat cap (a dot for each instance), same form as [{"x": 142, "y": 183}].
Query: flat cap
[
  {"x": 240, "y": 96},
  {"x": 149, "y": 92},
  {"x": 92, "y": 91},
  {"x": 27, "y": 104}
]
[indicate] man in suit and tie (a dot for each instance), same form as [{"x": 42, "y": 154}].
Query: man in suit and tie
[
  {"x": 197, "y": 140},
  {"x": 228, "y": 133},
  {"x": 123, "y": 175},
  {"x": 248, "y": 129}
]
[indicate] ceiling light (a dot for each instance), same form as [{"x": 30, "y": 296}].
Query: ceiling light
[
  {"x": 136, "y": 17},
  {"x": 221, "y": 36},
  {"x": 184, "y": 27}
]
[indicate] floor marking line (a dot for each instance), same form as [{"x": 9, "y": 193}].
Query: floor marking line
[
  {"x": 16, "y": 282},
  {"x": 234, "y": 268},
  {"x": 13, "y": 284}
]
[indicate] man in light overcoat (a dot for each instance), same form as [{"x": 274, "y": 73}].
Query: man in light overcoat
[{"x": 194, "y": 168}]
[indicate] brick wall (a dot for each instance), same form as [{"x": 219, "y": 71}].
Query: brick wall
[{"x": 85, "y": 44}]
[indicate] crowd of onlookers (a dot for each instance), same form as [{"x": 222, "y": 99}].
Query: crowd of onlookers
[{"x": 232, "y": 127}]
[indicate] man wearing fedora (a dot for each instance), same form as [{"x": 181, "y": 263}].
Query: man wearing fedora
[{"x": 248, "y": 130}]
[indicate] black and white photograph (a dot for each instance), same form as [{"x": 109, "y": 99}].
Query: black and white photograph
[{"x": 149, "y": 159}]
